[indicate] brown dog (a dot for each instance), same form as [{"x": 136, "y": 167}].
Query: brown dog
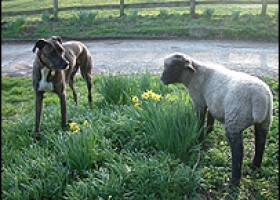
[{"x": 55, "y": 64}]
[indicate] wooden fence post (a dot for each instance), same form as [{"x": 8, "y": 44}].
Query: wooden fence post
[
  {"x": 192, "y": 8},
  {"x": 55, "y": 9},
  {"x": 121, "y": 8},
  {"x": 264, "y": 5}
]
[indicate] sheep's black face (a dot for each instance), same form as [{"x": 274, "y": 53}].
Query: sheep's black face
[
  {"x": 171, "y": 74},
  {"x": 173, "y": 69}
]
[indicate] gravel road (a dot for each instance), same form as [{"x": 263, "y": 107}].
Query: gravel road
[{"x": 134, "y": 56}]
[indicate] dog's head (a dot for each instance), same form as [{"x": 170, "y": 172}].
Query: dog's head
[
  {"x": 51, "y": 53},
  {"x": 177, "y": 66}
]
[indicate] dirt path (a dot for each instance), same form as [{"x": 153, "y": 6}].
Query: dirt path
[{"x": 134, "y": 56}]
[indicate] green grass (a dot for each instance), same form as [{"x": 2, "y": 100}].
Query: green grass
[
  {"x": 117, "y": 155},
  {"x": 224, "y": 22}
]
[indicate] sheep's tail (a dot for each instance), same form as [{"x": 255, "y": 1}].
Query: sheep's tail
[{"x": 262, "y": 105}]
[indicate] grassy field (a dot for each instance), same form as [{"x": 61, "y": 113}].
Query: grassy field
[
  {"x": 127, "y": 146},
  {"x": 238, "y": 22}
]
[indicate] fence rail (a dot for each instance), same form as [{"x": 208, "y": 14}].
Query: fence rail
[{"x": 122, "y": 6}]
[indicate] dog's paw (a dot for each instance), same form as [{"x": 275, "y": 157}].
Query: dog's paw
[
  {"x": 37, "y": 136},
  {"x": 66, "y": 127}
]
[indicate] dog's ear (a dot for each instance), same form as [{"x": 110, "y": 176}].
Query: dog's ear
[
  {"x": 57, "y": 38},
  {"x": 39, "y": 44}
]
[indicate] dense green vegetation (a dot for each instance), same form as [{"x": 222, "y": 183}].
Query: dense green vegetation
[
  {"x": 119, "y": 148},
  {"x": 216, "y": 21}
]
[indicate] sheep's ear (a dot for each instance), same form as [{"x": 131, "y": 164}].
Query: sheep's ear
[
  {"x": 39, "y": 44},
  {"x": 189, "y": 65}
]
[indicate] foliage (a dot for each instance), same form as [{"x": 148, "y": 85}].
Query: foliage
[
  {"x": 133, "y": 15},
  {"x": 46, "y": 16},
  {"x": 208, "y": 12},
  {"x": 163, "y": 13},
  {"x": 223, "y": 21},
  {"x": 116, "y": 89},
  {"x": 87, "y": 16},
  {"x": 120, "y": 89},
  {"x": 235, "y": 15},
  {"x": 173, "y": 124},
  {"x": 112, "y": 150}
]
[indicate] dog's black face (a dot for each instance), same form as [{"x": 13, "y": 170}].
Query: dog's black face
[
  {"x": 52, "y": 53},
  {"x": 174, "y": 67}
]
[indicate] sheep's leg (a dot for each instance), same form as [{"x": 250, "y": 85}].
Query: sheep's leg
[
  {"x": 210, "y": 122},
  {"x": 236, "y": 145},
  {"x": 260, "y": 139}
]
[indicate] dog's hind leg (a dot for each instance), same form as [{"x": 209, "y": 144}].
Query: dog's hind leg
[
  {"x": 73, "y": 87},
  {"x": 85, "y": 68},
  {"x": 72, "y": 83},
  {"x": 89, "y": 86},
  {"x": 86, "y": 73}
]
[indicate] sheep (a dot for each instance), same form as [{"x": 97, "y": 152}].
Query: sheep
[{"x": 236, "y": 99}]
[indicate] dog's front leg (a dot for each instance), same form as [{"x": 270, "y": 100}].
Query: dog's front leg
[
  {"x": 39, "y": 110},
  {"x": 63, "y": 109}
]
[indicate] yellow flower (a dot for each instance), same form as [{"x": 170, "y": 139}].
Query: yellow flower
[
  {"x": 85, "y": 123},
  {"x": 145, "y": 95},
  {"x": 74, "y": 127},
  {"x": 135, "y": 99},
  {"x": 157, "y": 97},
  {"x": 137, "y": 105},
  {"x": 154, "y": 96},
  {"x": 150, "y": 93}
]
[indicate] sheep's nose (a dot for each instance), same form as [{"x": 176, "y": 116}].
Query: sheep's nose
[{"x": 162, "y": 79}]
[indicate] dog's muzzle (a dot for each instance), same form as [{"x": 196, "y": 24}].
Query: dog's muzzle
[{"x": 63, "y": 65}]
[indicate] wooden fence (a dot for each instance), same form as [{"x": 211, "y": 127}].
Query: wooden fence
[{"x": 122, "y": 6}]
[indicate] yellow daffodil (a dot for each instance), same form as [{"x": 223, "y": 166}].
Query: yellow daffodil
[
  {"x": 85, "y": 123},
  {"x": 137, "y": 105},
  {"x": 145, "y": 95},
  {"x": 135, "y": 99},
  {"x": 150, "y": 93},
  {"x": 74, "y": 127},
  {"x": 157, "y": 97},
  {"x": 154, "y": 96}
]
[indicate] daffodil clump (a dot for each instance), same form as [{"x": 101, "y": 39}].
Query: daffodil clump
[
  {"x": 146, "y": 95},
  {"x": 74, "y": 127}
]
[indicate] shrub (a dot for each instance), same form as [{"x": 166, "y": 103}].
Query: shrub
[
  {"x": 119, "y": 89},
  {"x": 78, "y": 151},
  {"x": 46, "y": 16},
  {"x": 116, "y": 89},
  {"x": 138, "y": 177},
  {"x": 87, "y": 16},
  {"x": 235, "y": 15},
  {"x": 172, "y": 123},
  {"x": 163, "y": 13},
  {"x": 208, "y": 12},
  {"x": 33, "y": 174},
  {"x": 133, "y": 15},
  {"x": 15, "y": 26}
]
